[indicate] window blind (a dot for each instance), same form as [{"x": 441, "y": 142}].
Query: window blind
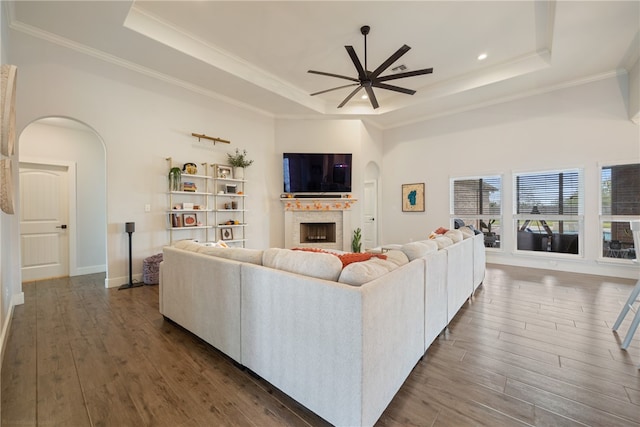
[
  {"x": 550, "y": 193},
  {"x": 478, "y": 196}
]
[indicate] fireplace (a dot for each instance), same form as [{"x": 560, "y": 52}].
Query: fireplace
[
  {"x": 314, "y": 232},
  {"x": 323, "y": 224}
]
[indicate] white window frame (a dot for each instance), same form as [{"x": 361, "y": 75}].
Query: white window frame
[
  {"x": 499, "y": 216},
  {"x": 611, "y": 218},
  {"x": 579, "y": 218}
]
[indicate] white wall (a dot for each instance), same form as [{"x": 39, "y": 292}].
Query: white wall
[
  {"x": 141, "y": 121},
  {"x": 44, "y": 142},
  {"x": 579, "y": 127},
  {"x": 326, "y": 136}
]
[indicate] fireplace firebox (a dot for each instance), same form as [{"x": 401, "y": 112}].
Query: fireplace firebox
[{"x": 314, "y": 232}]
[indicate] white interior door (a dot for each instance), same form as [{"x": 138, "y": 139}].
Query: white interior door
[
  {"x": 44, "y": 215},
  {"x": 370, "y": 230}
]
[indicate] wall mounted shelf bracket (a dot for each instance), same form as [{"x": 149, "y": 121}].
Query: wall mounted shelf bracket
[{"x": 211, "y": 138}]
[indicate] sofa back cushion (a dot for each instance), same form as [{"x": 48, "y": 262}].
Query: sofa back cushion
[
  {"x": 359, "y": 273},
  {"x": 254, "y": 256},
  {"x": 415, "y": 250},
  {"x": 314, "y": 264}
]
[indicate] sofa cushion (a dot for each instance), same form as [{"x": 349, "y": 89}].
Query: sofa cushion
[
  {"x": 187, "y": 245},
  {"x": 397, "y": 257},
  {"x": 455, "y": 235},
  {"x": 443, "y": 242},
  {"x": 314, "y": 264},
  {"x": 466, "y": 232},
  {"x": 415, "y": 250},
  {"x": 254, "y": 256},
  {"x": 359, "y": 273}
]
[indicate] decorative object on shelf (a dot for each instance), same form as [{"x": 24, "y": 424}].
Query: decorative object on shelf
[
  {"x": 239, "y": 161},
  {"x": 231, "y": 189},
  {"x": 189, "y": 220},
  {"x": 190, "y": 168},
  {"x": 413, "y": 197},
  {"x": 175, "y": 178},
  {"x": 226, "y": 233},
  {"x": 129, "y": 228},
  {"x": 8, "y": 110},
  {"x": 356, "y": 243},
  {"x": 210, "y": 138},
  {"x": 189, "y": 186},
  {"x": 224, "y": 172}
]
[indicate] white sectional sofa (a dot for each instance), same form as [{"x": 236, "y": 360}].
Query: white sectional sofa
[{"x": 340, "y": 341}]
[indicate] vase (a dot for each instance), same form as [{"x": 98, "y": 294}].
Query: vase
[
  {"x": 238, "y": 173},
  {"x": 175, "y": 175}
]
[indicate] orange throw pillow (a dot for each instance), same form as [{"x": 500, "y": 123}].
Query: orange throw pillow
[{"x": 357, "y": 257}]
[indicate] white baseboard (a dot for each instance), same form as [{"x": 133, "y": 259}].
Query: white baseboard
[
  {"x": 90, "y": 270},
  {"x": 17, "y": 299},
  {"x": 119, "y": 281}
]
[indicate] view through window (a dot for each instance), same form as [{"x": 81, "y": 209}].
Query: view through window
[
  {"x": 478, "y": 202},
  {"x": 549, "y": 211},
  {"x": 620, "y": 203}
]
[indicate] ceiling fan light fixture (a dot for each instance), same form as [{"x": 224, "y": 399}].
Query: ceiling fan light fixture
[{"x": 367, "y": 79}]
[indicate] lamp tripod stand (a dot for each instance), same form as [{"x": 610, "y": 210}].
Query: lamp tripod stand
[{"x": 130, "y": 227}]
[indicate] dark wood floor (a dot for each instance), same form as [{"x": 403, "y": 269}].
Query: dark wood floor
[{"x": 533, "y": 347}]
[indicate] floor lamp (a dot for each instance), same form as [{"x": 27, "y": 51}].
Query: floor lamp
[{"x": 130, "y": 227}]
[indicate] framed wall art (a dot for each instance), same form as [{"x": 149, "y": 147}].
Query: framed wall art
[
  {"x": 226, "y": 233},
  {"x": 413, "y": 197},
  {"x": 189, "y": 220},
  {"x": 224, "y": 172}
]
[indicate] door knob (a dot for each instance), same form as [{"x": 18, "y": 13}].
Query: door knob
[{"x": 63, "y": 226}]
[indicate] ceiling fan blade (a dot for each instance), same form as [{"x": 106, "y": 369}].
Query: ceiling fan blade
[
  {"x": 393, "y": 58},
  {"x": 372, "y": 97},
  {"x": 403, "y": 75},
  {"x": 356, "y": 62},
  {"x": 322, "y": 73},
  {"x": 349, "y": 96},
  {"x": 335, "y": 88},
  {"x": 393, "y": 88}
]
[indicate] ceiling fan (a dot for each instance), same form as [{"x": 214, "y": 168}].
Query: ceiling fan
[{"x": 369, "y": 79}]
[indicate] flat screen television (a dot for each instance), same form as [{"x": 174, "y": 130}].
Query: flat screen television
[{"x": 316, "y": 172}]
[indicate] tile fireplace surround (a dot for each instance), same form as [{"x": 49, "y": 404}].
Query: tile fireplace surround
[{"x": 310, "y": 211}]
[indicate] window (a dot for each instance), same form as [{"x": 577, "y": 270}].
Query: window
[
  {"x": 478, "y": 202},
  {"x": 548, "y": 208},
  {"x": 620, "y": 203}
]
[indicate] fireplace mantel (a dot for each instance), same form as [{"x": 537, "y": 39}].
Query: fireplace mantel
[{"x": 318, "y": 204}]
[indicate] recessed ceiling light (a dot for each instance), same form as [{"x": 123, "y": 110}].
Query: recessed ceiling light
[
  {"x": 364, "y": 97},
  {"x": 482, "y": 56}
]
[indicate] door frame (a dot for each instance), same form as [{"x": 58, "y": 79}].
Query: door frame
[
  {"x": 376, "y": 207},
  {"x": 71, "y": 189}
]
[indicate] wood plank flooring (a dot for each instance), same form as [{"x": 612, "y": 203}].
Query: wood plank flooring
[{"x": 532, "y": 347}]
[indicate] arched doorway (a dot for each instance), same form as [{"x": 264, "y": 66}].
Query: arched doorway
[{"x": 62, "y": 199}]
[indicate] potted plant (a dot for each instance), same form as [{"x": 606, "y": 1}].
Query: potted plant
[
  {"x": 490, "y": 237},
  {"x": 239, "y": 161},
  {"x": 356, "y": 245},
  {"x": 175, "y": 176}
]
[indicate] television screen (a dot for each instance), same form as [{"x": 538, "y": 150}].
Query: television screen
[{"x": 316, "y": 172}]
